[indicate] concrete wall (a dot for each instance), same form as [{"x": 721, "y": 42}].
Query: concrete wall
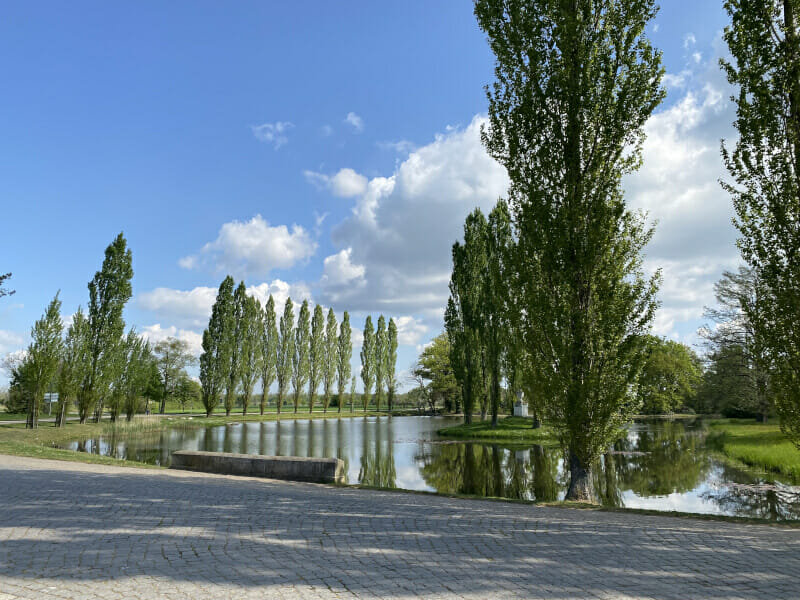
[{"x": 292, "y": 468}]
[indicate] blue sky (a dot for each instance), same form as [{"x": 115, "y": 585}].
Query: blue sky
[{"x": 326, "y": 150}]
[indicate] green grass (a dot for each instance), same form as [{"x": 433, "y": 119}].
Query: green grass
[
  {"x": 758, "y": 445},
  {"x": 509, "y": 429}
]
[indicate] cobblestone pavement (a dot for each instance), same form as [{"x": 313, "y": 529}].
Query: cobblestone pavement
[{"x": 69, "y": 530}]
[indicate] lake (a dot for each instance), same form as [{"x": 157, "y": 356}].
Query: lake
[{"x": 660, "y": 464}]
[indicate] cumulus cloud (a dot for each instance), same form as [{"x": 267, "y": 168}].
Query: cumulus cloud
[
  {"x": 339, "y": 272},
  {"x": 253, "y": 249},
  {"x": 345, "y": 184},
  {"x": 156, "y": 333},
  {"x": 410, "y": 330},
  {"x": 401, "y": 227},
  {"x": 10, "y": 341},
  {"x": 355, "y": 121},
  {"x": 272, "y": 133}
]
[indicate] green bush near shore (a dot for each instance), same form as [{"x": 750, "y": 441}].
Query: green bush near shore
[
  {"x": 757, "y": 445},
  {"x": 509, "y": 429}
]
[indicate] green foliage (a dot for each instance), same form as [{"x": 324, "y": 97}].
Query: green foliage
[
  {"x": 381, "y": 358},
  {"x": 765, "y": 165},
  {"x": 575, "y": 84},
  {"x": 75, "y": 367},
  {"x": 188, "y": 391},
  {"x": 172, "y": 356},
  {"x": 135, "y": 376},
  {"x": 269, "y": 351},
  {"x": 464, "y": 315},
  {"x": 251, "y": 331},
  {"x": 330, "y": 359},
  {"x": 316, "y": 355},
  {"x": 285, "y": 352},
  {"x": 215, "y": 358},
  {"x": 44, "y": 354},
  {"x": 368, "y": 361},
  {"x": 301, "y": 358},
  {"x": 391, "y": 363},
  {"x": 509, "y": 429},
  {"x": 344, "y": 353},
  {"x": 670, "y": 377},
  {"x": 234, "y": 341},
  {"x": 434, "y": 375},
  {"x": 109, "y": 291}
]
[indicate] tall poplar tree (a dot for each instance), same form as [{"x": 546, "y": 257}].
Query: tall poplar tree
[
  {"x": 765, "y": 164},
  {"x": 575, "y": 83},
  {"x": 391, "y": 363},
  {"x": 44, "y": 354},
  {"x": 269, "y": 351},
  {"x": 252, "y": 333},
  {"x": 494, "y": 299},
  {"x": 285, "y": 352},
  {"x": 464, "y": 312},
  {"x": 74, "y": 367},
  {"x": 330, "y": 359},
  {"x": 301, "y": 358},
  {"x": 368, "y": 361},
  {"x": 316, "y": 367},
  {"x": 236, "y": 335},
  {"x": 344, "y": 353},
  {"x": 109, "y": 291},
  {"x": 381, "y": 358},
  {"x": 217, "y": 339}
]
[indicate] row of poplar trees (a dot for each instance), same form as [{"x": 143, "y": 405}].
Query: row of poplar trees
[
  {"x": 245, "y": 343},
  {"x": 559, "y": 265},
  {"x": 96, "y": 364}
]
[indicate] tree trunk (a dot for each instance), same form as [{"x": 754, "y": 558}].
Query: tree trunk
[{"x": 581, "y": 480}]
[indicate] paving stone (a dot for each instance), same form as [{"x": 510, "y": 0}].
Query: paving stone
[{"x": 73, "y": 531}]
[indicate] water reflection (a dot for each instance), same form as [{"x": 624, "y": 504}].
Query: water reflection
[{"x": 662, "y": 464}]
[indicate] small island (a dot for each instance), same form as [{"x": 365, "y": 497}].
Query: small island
[{"x": 509, "y": 429}]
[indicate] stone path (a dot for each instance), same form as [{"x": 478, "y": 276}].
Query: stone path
[{"x": 69, "y": 530}]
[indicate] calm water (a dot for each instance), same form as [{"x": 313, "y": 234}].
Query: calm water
[{"x": 663, "y": 465}]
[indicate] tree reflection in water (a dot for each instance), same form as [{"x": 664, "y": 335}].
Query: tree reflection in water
[{"x": 377, "y": 455}]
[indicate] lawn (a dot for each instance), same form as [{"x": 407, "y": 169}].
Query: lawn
[
  {"x": 509, "y": 429},
  {"x": 758, "y": 445}
]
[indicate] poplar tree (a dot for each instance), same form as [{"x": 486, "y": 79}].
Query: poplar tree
[
  {"x": 172, "y": 356},
  {"x": 139, "y": 365},
  {"x": 330, "y": 359},
  {"x": 44, "y": 354},
  {"x": 368, "y": 361},
  {"x": 464, "y": 312},
  {"x": 234, "y": 340},
  {"x": 494, "y": 293},
  {"x": 301, "y": 358},
  {"x": 269, "y": 351},
  {"x": 285, "y": 352},
  {"x": 391, "y": 363},
  {"x": 217, "y": 338},
  {"x": 352, "y": 393},
  {"x": 765, "y": 165},
  {"x": 344, "y": 353},
  {"x": 317, "y": 365},
  {"x": 74, "y": 369},
  {"x": 252, "y": 334},
  {"x": 109, "y": 291},
  {"x": 575, "y": 83},
  {"x": 381, "y": 358}
]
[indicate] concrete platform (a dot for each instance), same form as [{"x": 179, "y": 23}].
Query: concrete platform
[{"x": 289, "y": 468}]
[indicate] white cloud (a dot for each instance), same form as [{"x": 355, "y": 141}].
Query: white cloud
[
  {"x": 344, "y": 184},
  {"x": 272, "y": 133},
  {"x": 689, "y": 40},
  {"x": 10, "y": 341},
  {"x": 188, "y": 307},
  {"x": 253, "y": 249},
  {"x": 355, "y": 121},
  {"x": 402, "y": 227},
  {"x": 410, "y": 330},
  {"x": 156, "y": 333},
  {"x": 339, "y": 270}
]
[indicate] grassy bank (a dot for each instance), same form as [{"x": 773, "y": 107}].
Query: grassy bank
[
  {"x": 509, "y": 429},
  {"x": 39, "y": 443},
  {"x": 757, "y": 445}
]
